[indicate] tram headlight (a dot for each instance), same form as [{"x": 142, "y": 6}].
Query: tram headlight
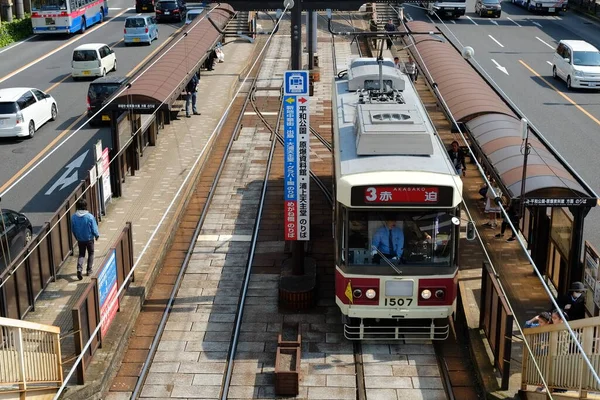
[
  {"x": 357, "y": 293},
  {"x": 440, "y": 294},
  {"x": 426, "y": 294},
  {"x": 371, "y": 293}
]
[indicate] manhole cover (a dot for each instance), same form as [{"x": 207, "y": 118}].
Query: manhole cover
[{"x": 20, "y": 150}]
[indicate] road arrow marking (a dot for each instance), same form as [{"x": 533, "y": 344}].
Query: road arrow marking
[
  {"x": 494, "y": 22},
  {"x": 536, "y": 24},
  {"x": 70, "y": 176},
  {"x": 500, "y": 67}
]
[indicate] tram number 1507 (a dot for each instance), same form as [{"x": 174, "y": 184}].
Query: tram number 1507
[{"x": 392, "y": 302}]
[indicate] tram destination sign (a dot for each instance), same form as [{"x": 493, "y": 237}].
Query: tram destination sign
[
  {"x": 296, "y": 156},
  {"x": 563, "y": 202},
  {"x": 402, "y": 195}
]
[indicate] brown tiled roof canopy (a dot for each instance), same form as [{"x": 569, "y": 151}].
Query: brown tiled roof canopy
[
  {"x": 492, "y": 125},
  {"x": 170, "y": 69}
]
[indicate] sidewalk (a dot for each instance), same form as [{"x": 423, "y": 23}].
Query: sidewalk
[
  {"x": 524, "y": 290},
  {"x": 146, "y": 198}
]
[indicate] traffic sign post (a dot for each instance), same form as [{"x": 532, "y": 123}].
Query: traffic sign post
[{"x": 296, "y": 163}]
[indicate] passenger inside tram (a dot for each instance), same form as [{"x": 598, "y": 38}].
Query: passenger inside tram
[{"x": 382, "y": 238}]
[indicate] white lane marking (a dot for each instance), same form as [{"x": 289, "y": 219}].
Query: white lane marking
[
  {"x": 497, "y": 42},
  {"x": 513, "y": 21},
  {"x": 549, "y": 63},
  {"x": 68, "y": 43},
  {"x": 114, "y": 8},
  {"x": 500, "y": 67},
  {"x": 549, "y": 45},
  {"x": 17, "y": 44},
  {"x": 494, "y": 22},
  {"x": 536, "y": 24},
  {"x": 472, "y": 20}
]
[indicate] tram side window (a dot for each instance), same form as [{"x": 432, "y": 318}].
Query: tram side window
[{"x": 413, "y": 238}]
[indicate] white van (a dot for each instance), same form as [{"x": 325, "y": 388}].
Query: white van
[
  {"x": 93, "y": 59},
  {"x": 578, "y": 63}
]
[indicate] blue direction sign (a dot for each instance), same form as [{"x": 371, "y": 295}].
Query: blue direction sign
[{"x": 295, "y": 83}]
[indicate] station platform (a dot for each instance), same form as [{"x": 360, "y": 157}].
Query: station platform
[{"x": 160, "y": 187}]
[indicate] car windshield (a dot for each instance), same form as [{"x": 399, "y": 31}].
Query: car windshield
[
  {"x": 135, "y": 23},
  {"x": 586, "y": 58},
  {"x": 8, "y": 107},
  {"x": 102, "y": 92},
  {"x": 84, "y": 55},
  {"x": 492, "y": 2},
  {"x": 41, "y": 5},
  {"x": 167, "y": 5}
]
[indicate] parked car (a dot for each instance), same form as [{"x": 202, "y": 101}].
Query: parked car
[
  {"x": 578, "y": 63},
  {"x": 24, "y": 110},
  {"x": 488, "y": 8},
  {"x": 192, "y": 13},
  {"x": 93, "y": 59},
  {"x": 140, "y": 29},
  {"x": 169, "y": 10},
  {"x": 15, "y": 234},
  {"x": 144, "y": 5},
  {"x": 100, "y": 90}
]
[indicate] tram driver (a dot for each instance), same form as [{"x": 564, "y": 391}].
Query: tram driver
[{"x": 388, "y": 241}]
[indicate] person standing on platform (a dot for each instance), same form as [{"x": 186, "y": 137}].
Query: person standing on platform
[
  {"x": 389, "y": 27},
  {"x": 573, "y": 302},
  {"x": 85, "y": 230},
  {"x": 457, "y": 156},
  {"x": 191, "y": 90}
]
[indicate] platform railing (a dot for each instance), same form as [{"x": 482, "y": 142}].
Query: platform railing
[
  {"x": 30, "y": 358},
  {"x": 559, "y": 359}
]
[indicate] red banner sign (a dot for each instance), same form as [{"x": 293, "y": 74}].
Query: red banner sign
[{"x": 402, "y": 194}]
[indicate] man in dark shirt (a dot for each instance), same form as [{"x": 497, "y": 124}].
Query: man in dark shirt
[
  {"x": 389, "y": 27},
  {"x": 458, "y": 158},
  {"x": 573, "y": 302},
  {"x": 191, "y": 89}
]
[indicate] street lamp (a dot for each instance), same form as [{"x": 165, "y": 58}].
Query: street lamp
[{"x": 525, "y": 150}]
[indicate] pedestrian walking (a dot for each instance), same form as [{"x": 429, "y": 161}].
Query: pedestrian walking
[
  {"x": 85, "y": 230},
  {"x": 513, "y": 216},
  {"x": 411, "y": 69},
  {"x": 373, "y": 28},
  {"x": 457, "y": 156},
  {"x": 389, "y": 27},
  {"x": 491, "y": 208},
  {"x": 191, "y": 90}
]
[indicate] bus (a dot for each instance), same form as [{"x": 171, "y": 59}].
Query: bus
[
  {"x": 66, "y": 16},
  {"x": 543, "y": 6}
]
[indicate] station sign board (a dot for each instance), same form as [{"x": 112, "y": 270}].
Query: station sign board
[
  {"x": 560, "y": 202},
  {"x": 296, "y": 156},
  {"x": 107, "y": 292}
]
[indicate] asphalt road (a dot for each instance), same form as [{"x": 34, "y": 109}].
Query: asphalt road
[
  {"x": 44, "y": 62},
  {"x": 516, "y": 51}
]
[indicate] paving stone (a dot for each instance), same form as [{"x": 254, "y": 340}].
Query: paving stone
[
  {"x": 156, "y": 390},
  {"x": 207, "y": 379},
  {"x": 162, "y": 378},
  {"x": 202, "y": 368},
  {"x": 422, "y": 394},
  {"x": 377, "y": 382},
  {"x": 242, "y": 392},
  {"x": 341, "y": 380},
  {"x": 331, "y": 393},
  {"x": 182, "y": 356},
  {"x": 196, "y": 392},
  {"x": 416, "y": 370},
  {"x": 171, "y": 345},
  {"x": 382, "y": 394},
  {"x": 164, "y": 366},
  {"x": 420, "y": 382},
  {"x": 372, "y": 369}
]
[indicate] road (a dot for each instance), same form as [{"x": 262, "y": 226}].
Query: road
[
  {"x": 44, "y": 62},
  {"x": 516, "y": 51}
]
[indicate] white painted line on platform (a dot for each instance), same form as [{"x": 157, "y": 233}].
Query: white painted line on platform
[
  {"x": 549, "y": 45},
  {"x": 114, "y": 8},
  {"x": 511, "y": 20},
  {"x": 497, "y": 42},
  {"x": 470, "y": 19},
  {"x": 224, "y": 238},
  {"x": 263, "y": 113}
]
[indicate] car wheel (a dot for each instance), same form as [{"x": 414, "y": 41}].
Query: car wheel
[
  {"x": 28, "y": 236},
  {"x": 53, "y": 112},
  {"x": 569, "y": 83},
  {"x": 101, "y": 16},
  {"x": 554, "y": 74},
  {"x": 31, "y": 129},
  {"x": 82, "y": 30}
]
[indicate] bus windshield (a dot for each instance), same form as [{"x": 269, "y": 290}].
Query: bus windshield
[
  {"x": 414, "y": 238},
  {"x": 44, "y": 5}
]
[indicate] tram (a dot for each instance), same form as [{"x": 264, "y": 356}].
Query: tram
[{"x": 396, "y": 211}]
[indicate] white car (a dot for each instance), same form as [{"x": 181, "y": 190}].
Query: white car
[
  {"x": 24, "y": 110},
  {"x": 578, "y": 63},
  {"x": 192, "y": 14},
  {"x": 93, "y": 59}
]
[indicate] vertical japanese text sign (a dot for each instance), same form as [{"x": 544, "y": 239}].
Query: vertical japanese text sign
[{"x": 296, "y": 156}]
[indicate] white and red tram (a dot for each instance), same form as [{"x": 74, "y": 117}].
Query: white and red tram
[{"x": 397, "y": 209}]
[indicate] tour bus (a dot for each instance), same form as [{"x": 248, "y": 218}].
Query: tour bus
[{"x": 66, "y": 16}]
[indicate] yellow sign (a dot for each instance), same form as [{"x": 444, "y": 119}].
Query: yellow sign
[
  {"x": 348, "y": 292},
  {"x": 290, "y": 100}
]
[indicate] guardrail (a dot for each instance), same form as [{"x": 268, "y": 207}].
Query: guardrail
[
  {"x": 558, "y": 357},
  {"x": 496, "y": 320},
  {"x": 30, "y": 359}
]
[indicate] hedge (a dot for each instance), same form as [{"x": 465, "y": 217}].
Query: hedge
[{"x": 11, "y": 32}]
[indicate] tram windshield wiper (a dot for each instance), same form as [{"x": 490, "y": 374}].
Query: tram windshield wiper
[{"x": 387, "y": 260}]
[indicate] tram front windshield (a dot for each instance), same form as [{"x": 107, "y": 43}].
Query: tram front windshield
[{"x": 406, "y": 239}]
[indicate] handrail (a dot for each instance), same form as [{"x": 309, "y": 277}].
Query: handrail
[
  {"x": 577, "y": 324},
  {"x": 17, "y": 323}
]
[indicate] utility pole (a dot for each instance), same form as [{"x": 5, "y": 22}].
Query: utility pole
[
  {"x": 297, "y": 34},
  {"x": 310, "y": 26}
]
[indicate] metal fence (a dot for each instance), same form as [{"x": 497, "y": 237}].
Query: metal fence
[
  {"x": 30, "y": 358},
  {"x": 30, "y": 272},
  {"x": 496, "y": 320},
  {"x": 87, "y": 310}
]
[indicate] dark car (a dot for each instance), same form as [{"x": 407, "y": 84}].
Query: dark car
[
  {"x": 488, "y": 8},
  {"x": 169, "y": 10},
  {"x": 15, "y": 233},
  {"x": 144, "y": 6},
  {"x": 100, "y": 90}
]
